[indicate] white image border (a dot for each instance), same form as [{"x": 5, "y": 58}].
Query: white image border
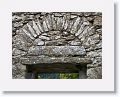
[{"x": 104, "y": 84}]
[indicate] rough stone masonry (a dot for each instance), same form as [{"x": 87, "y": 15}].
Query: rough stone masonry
[{"x": 32, "y": 29}]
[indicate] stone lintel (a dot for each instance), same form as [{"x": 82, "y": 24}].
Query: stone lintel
[{"x": 54, "y": 60}]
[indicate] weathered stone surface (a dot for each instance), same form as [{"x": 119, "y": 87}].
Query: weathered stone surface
[
  {"x": 66, "y": 19},
  {"x": 45, "y": 26},
  {"x": 39, "y": 25},
  {"x": 16, "y": 52},
  {"x": 94, "y": 73},
  {"x": 73, "y": 16},
  {"x": 38, "y": 42},
  {"x": 48, "y": 21},
  {"x": 75, "y": 25},
  {"x": 65, "y": 33},
  {"x": 91, "y": 41},
  {"x": 27, "y": 32},
  {"x": 71, "y": 37},
  {"x": 97, "y": 21},
  {"x": 77, "y": 13},
  {"x": 30, "y": 29},
  {"x": 96, "y": 53},
  {"x": 57, "y": 50},
  {"x": 87, "y": 13},
  {"x": 59, "y": 23},
  {"x": 18, "y": 71},
  {"x": 54, "y": 60},
  {"x": 75, "y": 43},
  {"x": 53, "y": 23},
  {"x": 82, "y": 28},
  {"x": 35, "y": 27},
  {"x": 44, "y": 38},
  {"x": 58, "y": 14},
  {"x": 16, "y": 18},
  {"x": 20, "y": 43},
  {"x": 83, "y": 32},
  {"x": 59, "y": 42},
  {"x": 70, "y": 25}
]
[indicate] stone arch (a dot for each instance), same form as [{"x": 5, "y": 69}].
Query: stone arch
[
  {"x": 58, "y": 29},
  {"x": 51, "y": 30}
]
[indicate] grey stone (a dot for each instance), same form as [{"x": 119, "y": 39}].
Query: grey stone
[
  {"x": 54, "y": 22},
  {"x": 87, "y": 13},
  {"x": 17, "y": 52},
  {"x": 97, "y": 13},
  {"x": 39, "y": 25},
  {"x": 59, "y": 23},
  {"x": 58, "y": 14},
  {"x": 57, "y": 50},
  {"x": 48, "y": 21},
  {"x": 52, "y": 33},
  {"x": 96, "y": 53},
  {"x": 91, "y": 31},
  {"x": 77, "y": 13},
  {"x": 63, "y": 23},
  {"x": 70, "y": 25},
  {"x": 99, "y": 45},
  {"x": 45, "y": 60},
  {"x": 90, "y": 19},
  {"x": 25, "y": 37},
  {"x": 57, "y": 37},
  {"x": 66, "y": 19},
  {"x": 99, "y": 30},
  {"x": 82, "y": 28},
  {"x": 17, "y": 25},
  {"x": 83, "y": 32},
  {"x": 91, "y": 41},
  {"x": 59, "y": 42},
  {"x": 97, "y": 21},
  {"x": 36, "y": 28},
  {"x": 16, "y": 18},
  {"x": 44, "y": 34},
  {"x": 65, "y": 33},
  {"x": 44, "y": 37},
  {"x": 94, "y": 73},
  {"x": 38, "y": 42},
  {"x": 66, "y": 24},
  {"x": 69, "y": 38},
  {"x": 27, "y": 33},
  {"x": 75, "y": 25},
  {"x": 15, "y": 60},
  {"x": 32, "y": 31},
  {"x": 74, "y": 43},
  {"x": 20, "y": 43},
  {"x": 45, "y": 26},
  {"x": 73, "y": 16}
]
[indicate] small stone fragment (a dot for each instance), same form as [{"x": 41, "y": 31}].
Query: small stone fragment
[
  {"x": 38, "y": 42},
  {"x": 45, "y": 26},
  {"x": 75, "y": 25},
  {"x": 44, "y": 37},
  {"x": 36, "y": 28},
  {"x": 97, "y": 21}
]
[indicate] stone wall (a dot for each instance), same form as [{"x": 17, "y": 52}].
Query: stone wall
[{"x": 31, "y": 29}]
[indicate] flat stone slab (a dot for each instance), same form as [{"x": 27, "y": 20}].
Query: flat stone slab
[
  {"x": 55, "y": 64},
  {"x": 55, "y": 60},
  {"x": 57, "y": 51}
]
